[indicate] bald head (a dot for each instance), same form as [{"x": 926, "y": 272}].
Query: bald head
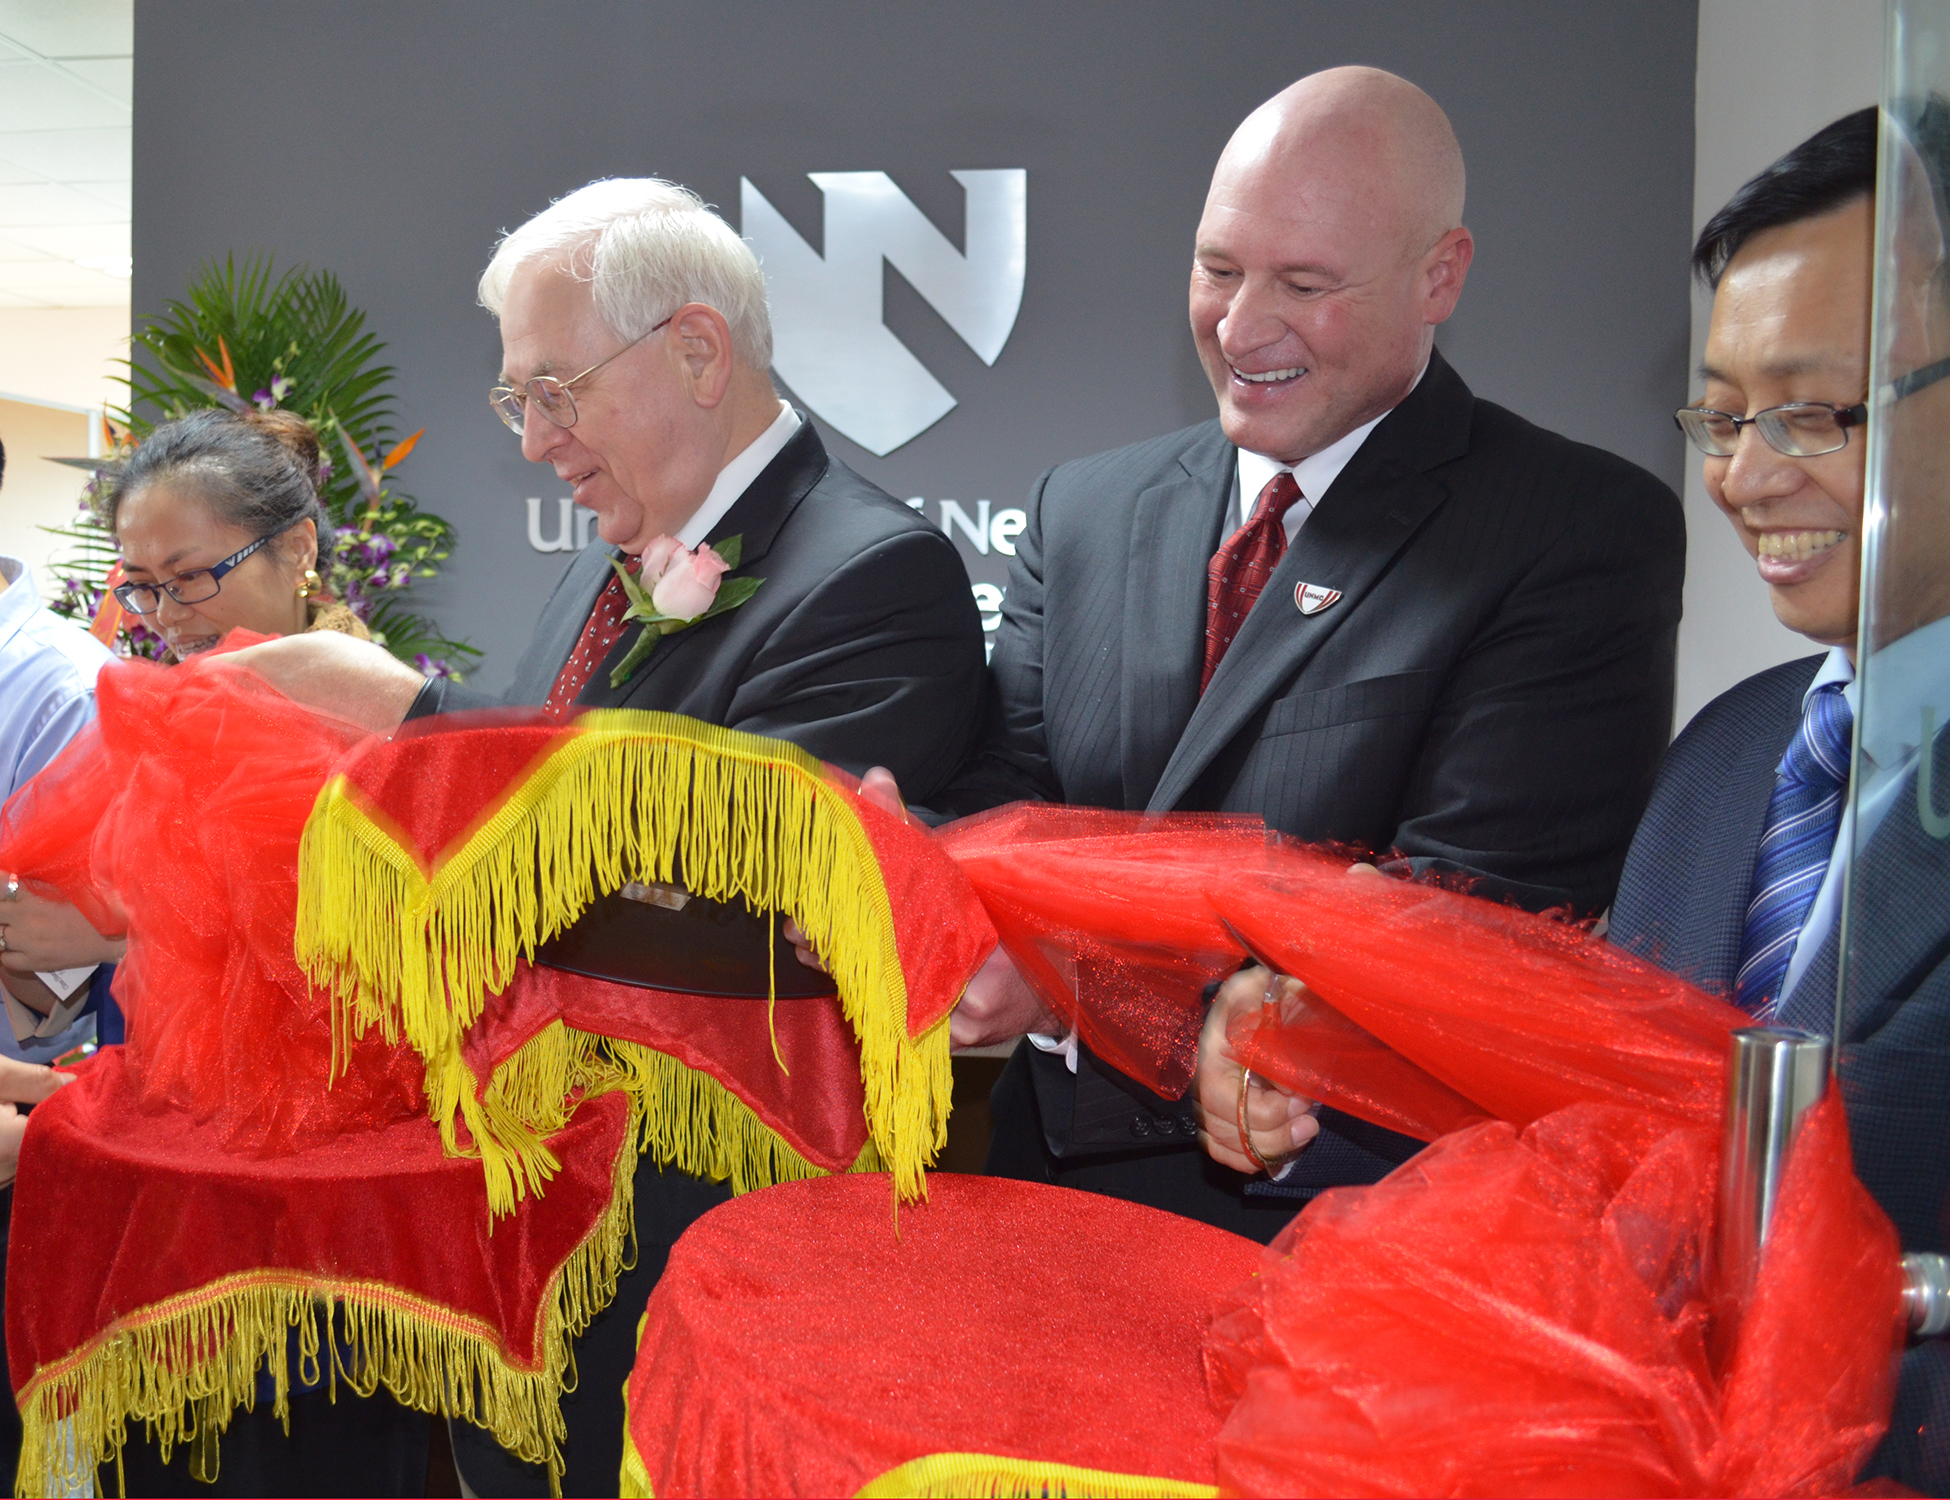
[
  {"x": 1347, "y": 137},
  {"x": 1330, "y": 247}
]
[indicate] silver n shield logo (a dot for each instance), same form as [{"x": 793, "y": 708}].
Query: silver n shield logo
[
  {"x": 828, "y": 341},
  {"x": 1314, "y": 597}
]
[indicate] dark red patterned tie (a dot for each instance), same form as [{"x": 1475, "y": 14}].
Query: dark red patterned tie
[
  {"x": 1240, "y": 568},
  {"x": 599, "y": 638}
]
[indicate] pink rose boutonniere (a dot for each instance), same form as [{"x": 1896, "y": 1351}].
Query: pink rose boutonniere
[{"x": 674, "y": 589}]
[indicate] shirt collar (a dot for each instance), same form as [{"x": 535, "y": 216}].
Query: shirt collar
[
  {"x": 1905, "y": 678},
  {"x": 1314, "y": 474},
  {"x": 736, "y": 477}
]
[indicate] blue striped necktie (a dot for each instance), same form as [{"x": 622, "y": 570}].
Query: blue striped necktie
[{"x": 1802, "y": 817}]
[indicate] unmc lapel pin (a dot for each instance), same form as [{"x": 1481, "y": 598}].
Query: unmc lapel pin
[{"x": 1313, "y": 597}]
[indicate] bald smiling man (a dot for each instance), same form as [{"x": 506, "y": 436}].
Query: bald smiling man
[{"x": 1361, "y": 604}]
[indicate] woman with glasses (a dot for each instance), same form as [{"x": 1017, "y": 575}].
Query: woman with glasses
[{"x": 221, "y": 526}]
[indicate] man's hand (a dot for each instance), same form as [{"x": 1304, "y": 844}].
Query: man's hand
[
  {"x": 42, "y": 936},
  {"x": 998, "y": 1006},
  {"x": 1281, "y": 1123},
  {"x": 878, "y": 787},
  {"x": 337, "y": 674}
]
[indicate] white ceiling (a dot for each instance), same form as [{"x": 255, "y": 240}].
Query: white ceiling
[{"x": 65, "y": 84}]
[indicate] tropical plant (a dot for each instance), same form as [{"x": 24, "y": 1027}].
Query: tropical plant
[{"x": 242, "y": 338}]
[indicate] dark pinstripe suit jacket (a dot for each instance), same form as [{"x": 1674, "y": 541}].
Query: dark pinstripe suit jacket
[
  {"x": 1682, "y": 902},
  {"x": 1492, "y": 692}
]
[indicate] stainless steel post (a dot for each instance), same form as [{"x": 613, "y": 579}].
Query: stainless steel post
[{"x": 1775, "y": 1075}]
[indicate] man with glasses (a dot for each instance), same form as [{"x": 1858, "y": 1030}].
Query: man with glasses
[{"x": 636, "y": 346}]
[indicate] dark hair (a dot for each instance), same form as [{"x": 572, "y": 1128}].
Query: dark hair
[
  {"x": 1834, "y": 166},
  {"x": 258, "y": 469}
]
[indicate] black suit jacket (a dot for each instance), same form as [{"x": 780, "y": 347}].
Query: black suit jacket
[
  {"x": 1682, "y": 903},
  {"x": 863, "y": 646},
  {"x": 1491, "y": 693}
]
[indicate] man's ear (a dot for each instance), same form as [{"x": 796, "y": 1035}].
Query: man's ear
[
  {"x": 701, "y": 340},
  {"x": 1445, "y": 267}
]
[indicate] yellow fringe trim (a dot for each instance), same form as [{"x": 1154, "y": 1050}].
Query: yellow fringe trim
[
  {"x": 635, "y": 1481},
  {"x": 627, "y": 796},
  {"x": 182, "y": 1366},
  {"x": 985, "y": 1474}
]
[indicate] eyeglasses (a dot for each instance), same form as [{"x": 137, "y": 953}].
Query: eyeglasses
[
  {"x": 551, "y": 395},
  {"x": 192, "y": 587},
  {"x": 1800, "y": 429}
]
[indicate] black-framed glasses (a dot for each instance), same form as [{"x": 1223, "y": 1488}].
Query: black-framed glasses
[
  {"x": 1800, "y": 429},
  {"x": 551, "y": 395},
  {"x": 193, "y": 587}
]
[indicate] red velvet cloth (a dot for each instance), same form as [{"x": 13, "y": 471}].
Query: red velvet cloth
[
  {"x": 1104, "y": 914},
  {"x": 816, "y": 1104},
  {"x": 176, "y": 820},
  {"x": 117, "y": 1211},
  {"x": 1523, "y": 1313},
  {"x": 797, "y": 1345}
]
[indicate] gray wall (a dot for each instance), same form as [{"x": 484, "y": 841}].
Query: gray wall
[{"x": 390, "y": 142}]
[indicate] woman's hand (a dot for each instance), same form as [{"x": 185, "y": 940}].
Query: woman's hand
[
  {"x": 1281, "y": 1123},
  {"x": 41, "y": 936}
]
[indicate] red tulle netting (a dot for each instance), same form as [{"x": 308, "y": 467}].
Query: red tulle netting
[
  {"x": 175, "y": 821},
  {"x": 1104, "y": 914},
  {"x": 1527, "y": 1306}
]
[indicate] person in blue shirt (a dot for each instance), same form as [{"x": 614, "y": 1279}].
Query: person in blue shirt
[{"x": 47, "y": 697}]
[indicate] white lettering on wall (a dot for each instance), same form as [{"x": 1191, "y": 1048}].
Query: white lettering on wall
[
  {"x": 977, "y": 531},
  {"x": 574, "y": 524}
]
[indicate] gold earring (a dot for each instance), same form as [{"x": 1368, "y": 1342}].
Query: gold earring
[{"x": 311, "y": 584}]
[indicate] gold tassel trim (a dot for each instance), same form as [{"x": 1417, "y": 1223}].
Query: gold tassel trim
[
  {"x": 985, "y": 1474},
  {"x": 627, "y": 796},
  {"x": 182, "y": 1366}
]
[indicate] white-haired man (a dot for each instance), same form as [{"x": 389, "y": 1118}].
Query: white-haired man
[{"x": 635, "y": 350}]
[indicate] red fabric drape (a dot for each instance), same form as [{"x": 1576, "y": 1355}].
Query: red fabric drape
[{"x": 118, "y": 1215}]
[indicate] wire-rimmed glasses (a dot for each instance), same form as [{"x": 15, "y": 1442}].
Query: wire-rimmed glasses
[
  {"x": 551, "y": 395},
  {"x": 1800, "y": 429},
  {"x": 194, "y": 587}
]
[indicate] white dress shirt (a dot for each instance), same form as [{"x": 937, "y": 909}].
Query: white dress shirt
[
  {"x": 1314, "y": 474},
  {"x": 736, "y": 477},
  {"x": 1911, "y": 674}
]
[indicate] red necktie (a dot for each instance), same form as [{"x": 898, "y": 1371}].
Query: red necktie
[
  {"x": 599, "y": 638},
  {"x": 1240, "y": 568}
]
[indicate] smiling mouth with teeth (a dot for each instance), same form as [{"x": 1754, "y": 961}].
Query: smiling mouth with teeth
[
  {"x": 1796, "y": 546},
  {"x": 1269, "y": 377}
]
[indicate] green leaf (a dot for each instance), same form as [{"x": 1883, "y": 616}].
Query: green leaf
[
  {"x": 732, "y": 593},
  {"x": 730, "y": 549}
]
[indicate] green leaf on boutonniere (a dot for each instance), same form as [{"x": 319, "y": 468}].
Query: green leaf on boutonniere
[
  {"x": 730, "y": 549},
  {"x": 732, "y": 592}
]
